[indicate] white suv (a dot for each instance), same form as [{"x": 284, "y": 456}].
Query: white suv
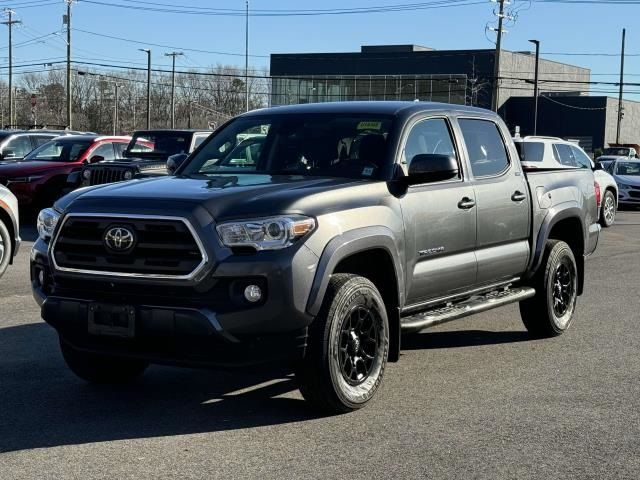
[
  {"x": 9, "y": 230},
  {"x": 553, "y": 153}
]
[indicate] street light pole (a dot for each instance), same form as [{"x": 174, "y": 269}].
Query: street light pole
[
  {"x": 620, "y": 96},
  {"x": 173, "y": 56},
  {"x": 535, "y": 87},
  {"x": 148, "y": 85},
  {"x": 115, "y": 109}
]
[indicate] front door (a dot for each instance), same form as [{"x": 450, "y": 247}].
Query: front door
[{"x": 440, "y": 221}]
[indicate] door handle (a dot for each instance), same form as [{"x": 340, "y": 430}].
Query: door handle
[
  {"x": 466, "y": 203},
  {"x": 518, "y": 196}
]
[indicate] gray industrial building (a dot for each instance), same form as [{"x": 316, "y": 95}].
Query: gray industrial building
[{"x": 409, "y": 72}]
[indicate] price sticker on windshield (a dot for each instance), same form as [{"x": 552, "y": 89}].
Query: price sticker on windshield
[{"x": 369, "y": 125}]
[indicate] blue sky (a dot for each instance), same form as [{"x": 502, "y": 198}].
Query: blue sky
[{"x": 570, "y": 28}]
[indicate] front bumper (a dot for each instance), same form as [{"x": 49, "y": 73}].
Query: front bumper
[
  {"x": 629, "y": 197},
  {"x": 203, "y": 324}
]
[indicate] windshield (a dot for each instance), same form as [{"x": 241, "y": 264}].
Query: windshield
[
  {"x": 628, "y": 168},
  {"x": 617, "y": 152},
  {"x": 63, "y": 150},
  {"x": 158, "y": 144},
  {"x": 334, "y": 145}
]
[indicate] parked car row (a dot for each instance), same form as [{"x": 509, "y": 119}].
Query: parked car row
[
  {"x": 537, "y": 152},
  {"x": 40, "y": 166}
]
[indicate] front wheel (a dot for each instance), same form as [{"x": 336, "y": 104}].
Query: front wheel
[
  {"x": 96, "y": 368},
  {"x": 608, "y": 209},
  {"x": 348, "y": 347},
  {"x": 550, "y": 312}
]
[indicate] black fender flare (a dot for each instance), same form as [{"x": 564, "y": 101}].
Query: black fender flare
[
  {"x": 345, "y": 245},
  {"x": 555, "y": 215}
]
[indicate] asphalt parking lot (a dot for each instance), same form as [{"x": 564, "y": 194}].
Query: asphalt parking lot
[{"x": 472, "y": 399}]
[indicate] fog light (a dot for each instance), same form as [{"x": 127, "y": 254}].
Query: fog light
[
  {"x": 86, "y": 174},
  {"x": 41, "y": 277},
  {"x": 253, "y": 293},
  {"x": 128, "y": 175}
]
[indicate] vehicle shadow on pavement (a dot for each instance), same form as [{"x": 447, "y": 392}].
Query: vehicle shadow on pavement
[
  {"x": 461, "y": 338},
  {"x": 44, "y": 405}
]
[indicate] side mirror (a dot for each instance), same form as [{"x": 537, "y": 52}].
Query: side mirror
[
  {"x": 426, "y": 168},
  {"x": 174, "y": 162},
  {"x": 96, "y": 159}
]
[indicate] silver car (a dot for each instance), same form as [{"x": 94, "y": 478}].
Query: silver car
[
  {"x": 627, "y": 176},
  {"x": 9, "y": 230}
]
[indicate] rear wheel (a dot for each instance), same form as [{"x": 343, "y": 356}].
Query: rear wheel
[
  {"x": 608, "y": 209},
  {"x": 550, "y": 312},
  {"x": 96, "y": 368},
  {"x": 348, "y": 347},
  {"x": 6, "y": 249}
]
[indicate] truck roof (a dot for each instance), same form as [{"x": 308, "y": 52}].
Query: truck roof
[{"x": 368, "y": 107}]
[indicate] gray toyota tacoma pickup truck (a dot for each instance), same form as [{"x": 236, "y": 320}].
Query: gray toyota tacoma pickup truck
[{"x": 314, "y": 235}]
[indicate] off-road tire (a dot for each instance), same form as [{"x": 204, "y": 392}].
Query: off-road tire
[
  {"x": 550, "y": 312},
  {"x": 101, "y": 368},
  {"x": 321, "y": 375}
]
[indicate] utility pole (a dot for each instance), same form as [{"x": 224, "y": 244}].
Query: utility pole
[
  {"x": 246, "y": 59},
  {"x": 620, "y": 106},
  {"x": 495, "y": 100},
  {"x": 67, "y": 21},
  {"x": 173, "y": 56},
  {"x": 148, "y": 85},
  {"x": 10, "y": 23},
  {"x": 535, "y": 87},
  {"x": 115, "y": 109}
]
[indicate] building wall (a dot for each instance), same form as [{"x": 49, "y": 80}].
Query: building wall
[
  {"x": 572, "y": 117},
  {"x": 516, "y": 68},
  {"x": 630, "y": 126}
]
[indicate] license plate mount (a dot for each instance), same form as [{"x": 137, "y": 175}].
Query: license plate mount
[{"x": 112, "y": 320}]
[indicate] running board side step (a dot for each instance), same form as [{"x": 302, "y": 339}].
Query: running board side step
[{"x": 471, "y": 306}]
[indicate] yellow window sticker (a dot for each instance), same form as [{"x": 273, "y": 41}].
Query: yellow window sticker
[{"x": 369, "y": 125}]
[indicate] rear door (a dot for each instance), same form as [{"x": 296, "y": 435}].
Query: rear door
[
  {"x": 502, "y": 201},
  {"x": 440, "y": 219}
]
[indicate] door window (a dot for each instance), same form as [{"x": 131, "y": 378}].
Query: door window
[
  {"x": 564, "y": 155},
  {"x": 41, "y": 139},
  {"x": 486, "y": 149},
  {"x": 582, "y": 159},
  {"x": 197, "y": 141},
  {"x": 105, "y": 150},
  {"x": 17, "y": 147},
  {"x": 120, "y": 147},
  {"x": 431, "y": 136}
]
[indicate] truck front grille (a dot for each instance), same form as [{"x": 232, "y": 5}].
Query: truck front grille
[
  {"x": 161, "y": 247},
  {"x": 107, "y": 174}
]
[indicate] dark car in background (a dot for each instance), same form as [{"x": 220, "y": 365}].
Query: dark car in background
[
  {"x": 16, "y": 144},
  {"x": 41, "y": 177},
  {"x": 146, "y": 155}
]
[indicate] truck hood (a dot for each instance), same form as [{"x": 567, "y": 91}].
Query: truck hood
[
  {"x": 21, "y": 169},
  {"x": 228, "y": 196}
]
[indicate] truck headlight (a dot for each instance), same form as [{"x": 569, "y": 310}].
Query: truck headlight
[
  {"x": 272, "y": 233},
  {"x": 47, "y": 221}
]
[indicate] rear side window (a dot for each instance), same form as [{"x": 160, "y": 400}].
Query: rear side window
[
  {"x": 40, "y": 139},
  {"x": 564, "y": 155},
  {"x": 530, "y": 151},
  {"x": 486, "y": 149},
  {"x": 582, "y": 159}
]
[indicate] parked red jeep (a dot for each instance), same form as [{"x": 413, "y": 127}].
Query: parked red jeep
[{"x": 41, "y": 177}]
